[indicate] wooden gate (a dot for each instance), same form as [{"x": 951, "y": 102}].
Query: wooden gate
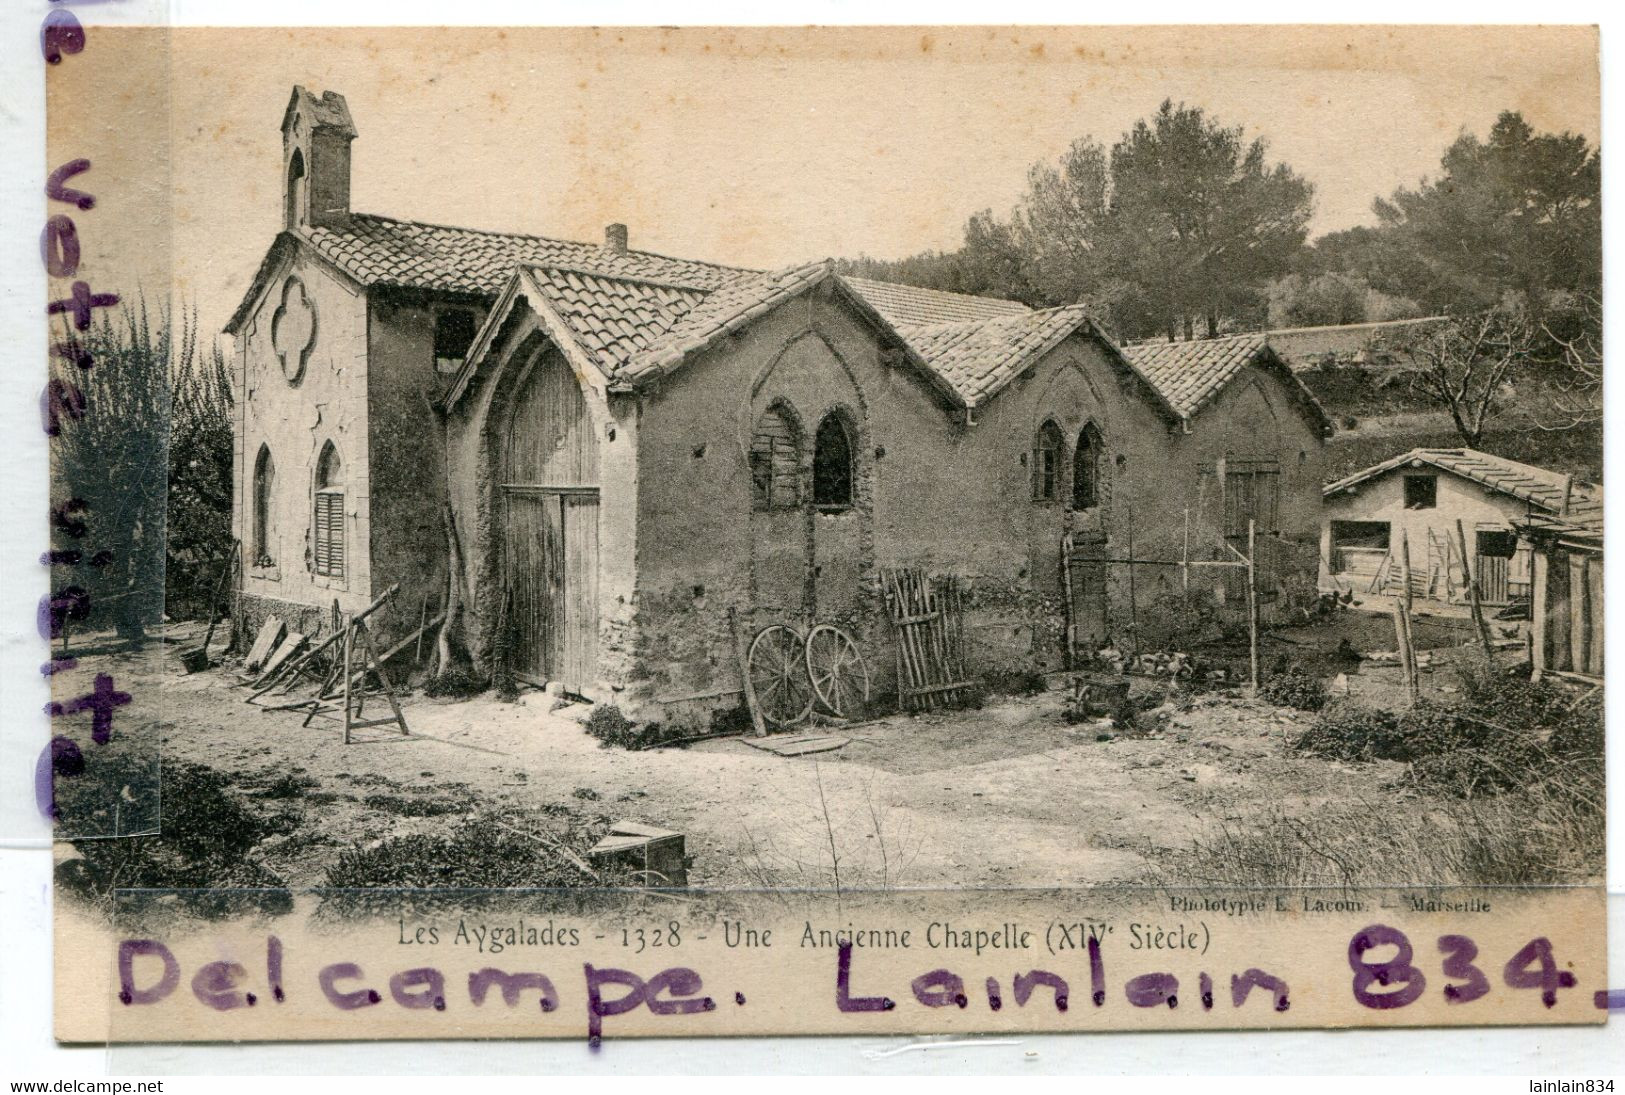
[
  {"x": 1492, "y": 578},
  {"x": 550, "y": 534}
]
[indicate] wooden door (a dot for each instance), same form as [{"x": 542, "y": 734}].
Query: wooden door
[
  {"x": 550, "y": 535},
  {"x": 1087, "y": 574},
  {"x": 1252, "y": 493},
  {"x": 534, "y": 575},
  {"x": 552, "y": 580},
  {"x": 579, "y": 595},
  {"x": 1492, "y": 579}
]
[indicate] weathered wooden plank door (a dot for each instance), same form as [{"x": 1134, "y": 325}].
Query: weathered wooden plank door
[
  {"x": 579, "y": 593},
  {"x": 1252, "y": 493},
  {"x": 1089, "y": 610},
  {"x": 535, "y": 552},
  {"x": 550, "y": 536}
]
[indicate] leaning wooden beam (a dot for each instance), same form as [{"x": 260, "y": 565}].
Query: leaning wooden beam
[
  {"x": 388, "y": 654},
  {"x": 756, "y": 721},
  {"x": 263, "y": 685},
  {"x": 1472, "y": 593}
]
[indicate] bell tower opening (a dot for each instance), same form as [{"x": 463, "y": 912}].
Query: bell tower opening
[{"x": 316, "y": 136}]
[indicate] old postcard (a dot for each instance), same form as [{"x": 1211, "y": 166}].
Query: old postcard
[{"x": 594, "y": 533}]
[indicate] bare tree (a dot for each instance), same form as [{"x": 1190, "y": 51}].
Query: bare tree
[
  {"x": 1578, "y": 343},
  {"x": 1462, "y": 366}
]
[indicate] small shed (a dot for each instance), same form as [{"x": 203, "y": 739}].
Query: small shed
[
  {"x": 1566, "y": 614},
  {"x": 1433, "y": 500}
]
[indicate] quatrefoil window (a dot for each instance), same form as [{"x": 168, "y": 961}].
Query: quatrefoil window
[{"x": 293, "y": 329}]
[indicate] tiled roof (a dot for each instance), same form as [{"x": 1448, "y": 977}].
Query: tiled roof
[
  {"x": 613, "y": 319},
  {"x": 633, "y": 330},
  {"x": 401, "y": 254},
  {"x": 1191, "y": 373},
  {"x": 408, "y": 254},
  {"x": 905, "y": 305},
  {"x": 728, "y": 309},
  {"x": 978, "y": 356},
  {"x": 636, "y": 314},
  {"x": 1541, "y": 487}
]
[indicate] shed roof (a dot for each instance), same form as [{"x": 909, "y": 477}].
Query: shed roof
[{"x": 1537, "y": 486}]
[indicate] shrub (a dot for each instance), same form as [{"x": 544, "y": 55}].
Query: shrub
[
  {"x": 289, "y": 785},
  {"x": 612, "y": 728},
  {"x": 1506, "y": 733},
  {"x": 1014, "y": 682},
  {"x": 406, "y": 806},
  {"x": 456, "y": 683},
  {"x": 204, "y": 847},
  {"x": 484, "y": 853},
  {"x": 1294, "y": 688},
  {"x": 1351, "y": 731}
]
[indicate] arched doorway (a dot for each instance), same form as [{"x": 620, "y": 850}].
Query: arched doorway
[{"x": 549, "y": 492}]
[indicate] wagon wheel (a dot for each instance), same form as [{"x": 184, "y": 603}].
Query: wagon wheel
[
  {"x": 778, "y": 673},
  {"x": 839, "y": 677}
]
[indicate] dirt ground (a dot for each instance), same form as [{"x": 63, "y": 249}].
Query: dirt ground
[{"x": 1007, "y": 795}]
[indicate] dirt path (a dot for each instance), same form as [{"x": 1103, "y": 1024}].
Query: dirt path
[{"x": 1008, "y": 795}]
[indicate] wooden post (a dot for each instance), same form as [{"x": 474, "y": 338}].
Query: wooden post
[
  {"x": 1402, "y": 646},
  {"x": 1405, "y": 567},
  {"x": 1066, "y": 591},
  {"x": 1407, "y": 644},
  {"x": 347, "y": 634},
  {"x": 759, "y": 726},
  {"x": 1539, "y": 611},
  {"x": 1252, "y": 602},
  {"x": 1580, "y": 609},
  {"x": 377, "y": 667},
  {"x": 214, "y": 602},
  {"x": 1472, "y": 593},
  {"x": 1133, "y": 610},
  {"x": 1185, "y": 556}
]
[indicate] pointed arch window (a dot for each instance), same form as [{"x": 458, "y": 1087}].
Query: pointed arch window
[
  {"x": 262, "y": 532},
  {"x": 294, "y": 192},
  {"x": 1047, "y": 463},
  {"x": 832, "y": 463},
  {"x": 775, "y": 461},
  {"x": 327, "y": 531},
  {"x": 1086, "y": 466}
]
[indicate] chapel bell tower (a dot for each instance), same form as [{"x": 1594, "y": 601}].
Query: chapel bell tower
[{"x": 316, "y": 136}]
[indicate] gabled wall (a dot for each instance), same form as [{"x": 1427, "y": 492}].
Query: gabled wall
[
  {"x": 1383, "y": 499},
  {"x": 932, "y": 491},
  {"x": 328, "y": 402},
  {"x": 477, "y": 428}
]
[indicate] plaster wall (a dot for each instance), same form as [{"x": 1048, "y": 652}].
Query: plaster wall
[
  {"x": 1383, "y": 499},
  {"x": 294, "y": 420}
]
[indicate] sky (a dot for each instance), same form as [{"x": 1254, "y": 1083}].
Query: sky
[{"x": 758, "y": 147}]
